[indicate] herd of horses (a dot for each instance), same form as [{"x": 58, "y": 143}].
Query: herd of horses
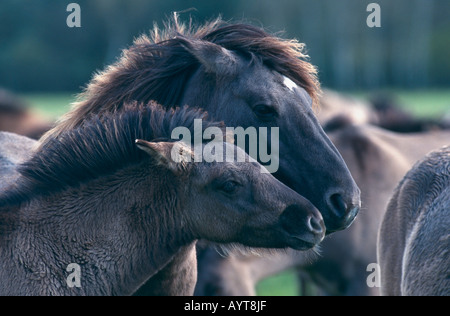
[{"x": 100, "y": 189}]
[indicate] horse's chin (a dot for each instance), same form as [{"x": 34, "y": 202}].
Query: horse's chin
[
  {"x": 352, "y": 217},
  {"x": 300, "y": 245},
  {"x": 310, "y": 254}
]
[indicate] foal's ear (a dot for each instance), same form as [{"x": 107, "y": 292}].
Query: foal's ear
[
  {"x": 169, "y": 155},
  {"x": 214, "y": 58},
  {"x": 160, "y": 151}
]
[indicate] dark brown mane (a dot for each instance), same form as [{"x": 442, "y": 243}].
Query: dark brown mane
[
  {"x": 101, "y": 145},
  {"x": 158, "y": 67}
]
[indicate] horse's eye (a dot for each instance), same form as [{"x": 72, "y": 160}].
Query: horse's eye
[
  {"x": 265, "y": 112},
  {"x": 229, "y": 187}
]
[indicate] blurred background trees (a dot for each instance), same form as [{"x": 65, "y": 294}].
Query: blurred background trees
[{"x": 38, "y": 52}]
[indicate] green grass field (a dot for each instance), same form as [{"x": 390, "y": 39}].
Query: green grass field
[
  {"x": 427, "y": 103},
  {"x": 51, "y": 106},
  {"x": 420, "y": 103}
]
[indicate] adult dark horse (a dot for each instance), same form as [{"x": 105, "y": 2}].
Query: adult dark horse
[{"x": 245, "y": 77}]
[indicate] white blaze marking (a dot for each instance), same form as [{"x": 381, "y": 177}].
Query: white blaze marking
[{"x": 289, "y": 83}]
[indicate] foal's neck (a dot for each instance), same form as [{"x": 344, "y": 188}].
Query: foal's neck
[
  {"x": 177, "y": 278},
  {"x": 120, "y": 230}
]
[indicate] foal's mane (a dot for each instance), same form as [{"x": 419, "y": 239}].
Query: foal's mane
[
  {"x": 101, "y": 145},
  {"x": 158, "y": 67}
]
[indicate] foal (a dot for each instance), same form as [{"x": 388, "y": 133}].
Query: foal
[{"x": 122, "y": 209}]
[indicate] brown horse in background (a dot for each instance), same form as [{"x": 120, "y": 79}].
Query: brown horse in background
[
  {"x": 339, "y": 110},
  {"x": 16, "y": 117}
]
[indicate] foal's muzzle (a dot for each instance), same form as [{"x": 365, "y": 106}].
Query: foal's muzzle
[{"x": 304, "y": 226}]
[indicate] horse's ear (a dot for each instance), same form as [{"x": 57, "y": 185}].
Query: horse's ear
[
  {"x": 214, "y": 58},
  {"x": 160, "y": 152},
  {"x": 170, "y": 155}
]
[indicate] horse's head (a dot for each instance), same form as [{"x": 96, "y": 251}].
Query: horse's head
[
  {"x": 244, "y": 90},
  {"x": 231, "y": 201},
  {"x": 245, "y": 77}
]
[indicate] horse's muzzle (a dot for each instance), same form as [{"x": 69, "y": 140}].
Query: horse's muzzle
[
  {"x": 342, "y": 214},
  {"x": 305, "y": 228}
]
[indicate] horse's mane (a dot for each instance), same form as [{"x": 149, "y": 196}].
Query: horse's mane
[
  {"x": 158, "y": 67},
  {"x": 101, "y": 145}
]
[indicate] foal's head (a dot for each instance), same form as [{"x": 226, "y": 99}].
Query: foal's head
[{"x": 233, "y": 201}]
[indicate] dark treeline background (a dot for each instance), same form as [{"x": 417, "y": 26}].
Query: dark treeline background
[{"x": 38, "y": 52}]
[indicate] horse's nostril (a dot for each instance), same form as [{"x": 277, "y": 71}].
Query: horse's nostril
[
  {"x": 302, "y": 224},
  {"x": 341, "y": 214},
  {"x": 339, "y": 207},
  {"x": 316, "y": 226}
]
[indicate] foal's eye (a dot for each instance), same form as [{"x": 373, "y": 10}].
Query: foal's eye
[
  {"x": 265, "y": 112},
  {"x": 229, "y": 187}
]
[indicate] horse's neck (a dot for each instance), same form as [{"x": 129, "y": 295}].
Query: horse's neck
[
  {"x": 119, "y": 242},
  {"x": 177, "y": 278}
]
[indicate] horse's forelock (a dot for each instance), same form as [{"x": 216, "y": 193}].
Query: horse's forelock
[{"x": 287, "y": 57}]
